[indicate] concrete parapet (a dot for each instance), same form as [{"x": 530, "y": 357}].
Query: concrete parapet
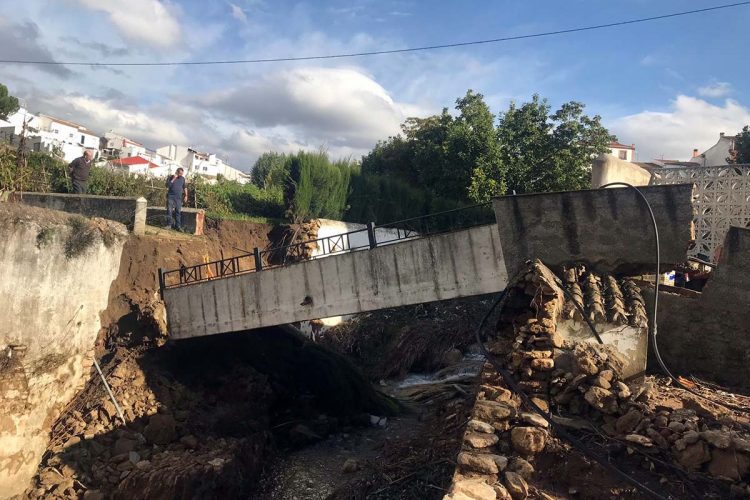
[
  {"x": 193, "y": 219},
  {"x": 129, "y": 211},
  {"x": 608, "y": 229}
]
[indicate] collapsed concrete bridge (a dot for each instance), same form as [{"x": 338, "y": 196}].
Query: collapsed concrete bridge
[{"x": 609, "y": 230}]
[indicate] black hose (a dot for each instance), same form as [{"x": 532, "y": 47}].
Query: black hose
[
  {"x": 559, "y": 430},
  {"x": 653, "y": 325}
]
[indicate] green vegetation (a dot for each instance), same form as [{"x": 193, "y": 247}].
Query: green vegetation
[
  {"x": 44, "y": 237},
  {"x": 225, "y": 199},
  {"x": 316, "y": 187},
  {"x": 438, "y": 163},
  {"x": 741, "y": 152},
  {"x": 8, "y": 103},
  {"x": 468, "y": 158},
  {"x": 80, "y": 238}
]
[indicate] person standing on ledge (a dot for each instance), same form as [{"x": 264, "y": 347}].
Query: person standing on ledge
[
  {"x": 79, "y": 170},
  {"x": 177, "y": 193}
]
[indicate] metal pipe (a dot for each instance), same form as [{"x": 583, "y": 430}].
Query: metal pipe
[{"x": 109, "y": 391}]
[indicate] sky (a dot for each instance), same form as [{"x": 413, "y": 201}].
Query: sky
[{"x": 666, "y": 86}]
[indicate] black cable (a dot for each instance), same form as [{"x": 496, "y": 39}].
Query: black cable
[
  {"x": 559, "y": 430},
  {"x": 653, "y": 325},
  {"x": 391, "y": 51}
]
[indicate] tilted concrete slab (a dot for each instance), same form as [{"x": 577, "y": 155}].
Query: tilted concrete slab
[
  {"x": 608, "y": 229},
  {"x": 439, "y": 267}
]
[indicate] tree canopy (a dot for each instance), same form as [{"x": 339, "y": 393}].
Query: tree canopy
[
  {"x": 8, "y": 103},
  {"x": 741, "y": 152},
  {"x": 475, "y": 155}
]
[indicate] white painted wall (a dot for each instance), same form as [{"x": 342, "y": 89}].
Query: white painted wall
[
  {"x": 606, "y": 169},
  {"x": 717, "y": 154},
  {"x": 52, "y": 308},
  {"x": 623, "y": 154}
]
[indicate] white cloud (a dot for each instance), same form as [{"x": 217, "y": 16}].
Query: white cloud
[
  {"x": 101, "y": 115},
  {"x": 238, "y": 13},
  {"x": 340, "y": 106},
  {"x": 147, "y": 21},
  {"x": 690, "y": 123},
  {"x": 715, "y": 89}
]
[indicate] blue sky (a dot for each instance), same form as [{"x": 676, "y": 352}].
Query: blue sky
[{"x": 668, "y": 86}]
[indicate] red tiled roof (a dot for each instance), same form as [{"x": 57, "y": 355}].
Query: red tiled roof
[
  {"x": 134, "y": 160},
  {"x": 617, "y": 145}
]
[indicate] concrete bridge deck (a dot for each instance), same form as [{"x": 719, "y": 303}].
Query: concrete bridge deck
[{"x": 608, "y": 229}]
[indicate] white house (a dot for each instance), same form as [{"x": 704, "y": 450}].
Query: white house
[
  {"x": 717, "y": 154},
  {"x": 11, "y": 128},
  {"x": 71, "y": 138},
  {"x": 622, "y": 151},
  {"x": 207, "y": 165},
  {"x": 118, "y": 146}
]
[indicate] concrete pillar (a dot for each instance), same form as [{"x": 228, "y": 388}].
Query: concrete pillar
[{"x": 139, "y": 220}]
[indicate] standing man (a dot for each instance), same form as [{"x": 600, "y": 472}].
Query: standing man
[
  {"x": 79, "y": 170},
  {"x": 177, "y": 193}
]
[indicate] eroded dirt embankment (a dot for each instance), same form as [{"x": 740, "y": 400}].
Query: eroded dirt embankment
[{"x": 197, "y": 414}]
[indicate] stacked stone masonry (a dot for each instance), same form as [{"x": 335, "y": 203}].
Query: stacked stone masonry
[{"x": 579, "y": 385}]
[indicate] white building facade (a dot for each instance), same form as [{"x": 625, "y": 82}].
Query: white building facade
[
  {"x": 623, "y": 152},
  {"x": 207, "y": 165}
]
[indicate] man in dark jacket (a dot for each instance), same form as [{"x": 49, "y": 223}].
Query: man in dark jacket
[
  {"x": 79, "y": 170},
  {"x": 177, "y": 193}
]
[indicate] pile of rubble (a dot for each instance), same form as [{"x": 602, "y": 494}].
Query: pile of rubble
[
  {"x": 176, "y": 441},
  {"x": 580, "y": 386},
  {"x": 292, "y": 243}
]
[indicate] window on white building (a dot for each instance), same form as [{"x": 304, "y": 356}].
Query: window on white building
[
  {"x": 623, "y": 154},
  {"x": 83, "y": 139}
]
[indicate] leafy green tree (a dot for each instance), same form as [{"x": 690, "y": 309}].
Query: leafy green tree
[
  {"x": 741, "y": 151},
  {"x": 474, "y": 149},
  {"x": 8, "y": 103},
  {"x": 541, "y": 152},
  {"x": 270, "y": 169},
  {"x": 316, "y": 187},
  {"x": 440, "y": 152}
]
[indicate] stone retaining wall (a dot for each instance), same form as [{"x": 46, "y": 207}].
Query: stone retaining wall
[{"x": 129, "y": 211}]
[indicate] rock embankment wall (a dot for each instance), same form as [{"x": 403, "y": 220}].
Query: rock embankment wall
[{"x": 56, "y": 274}]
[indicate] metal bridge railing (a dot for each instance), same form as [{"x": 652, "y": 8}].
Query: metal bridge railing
[{"x": 271, "y": 258}]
